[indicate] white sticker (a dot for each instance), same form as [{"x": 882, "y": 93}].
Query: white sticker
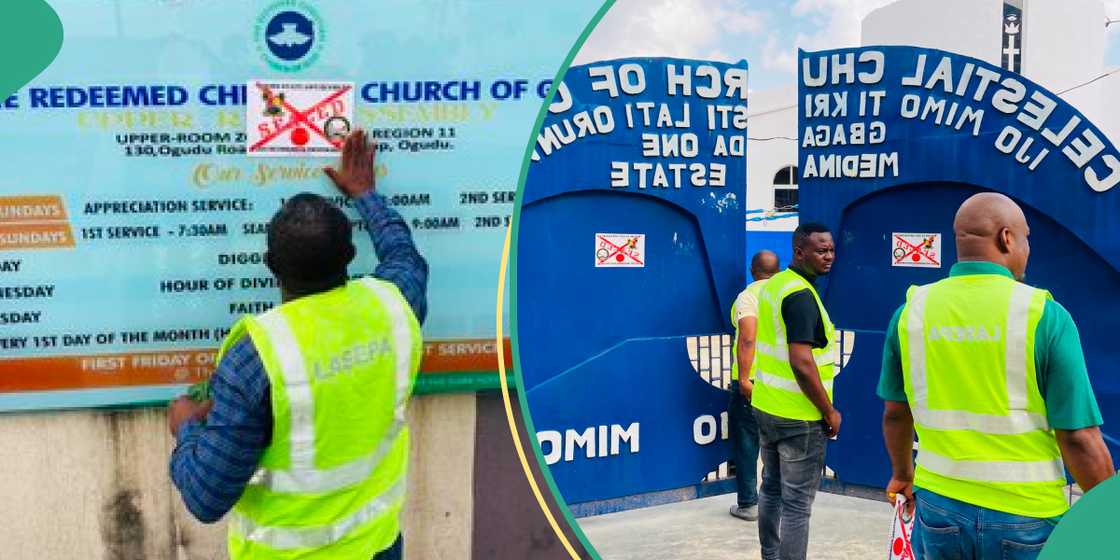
[
  {"x": 620, "y": 249},
  {"x": 296, "y": 118},
  {"x": 916, "y": 249}
]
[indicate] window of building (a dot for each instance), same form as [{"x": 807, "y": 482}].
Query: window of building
[{"x": 785, "y": 189}]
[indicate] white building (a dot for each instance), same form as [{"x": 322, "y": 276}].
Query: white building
[{"x": 1058, "y": 44}]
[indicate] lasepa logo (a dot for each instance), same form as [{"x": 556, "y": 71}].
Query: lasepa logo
[
  {"x": 964, "y": 334},
  {"x": 290, "y": 35}
]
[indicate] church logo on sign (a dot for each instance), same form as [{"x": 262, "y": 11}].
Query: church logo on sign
[{"x": 289, "y": 35}]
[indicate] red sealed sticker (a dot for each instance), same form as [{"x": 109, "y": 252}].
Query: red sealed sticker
[
  {"x": 298, "y": 118},
  {"x": 620, "y": 250},
  {"x": 921, "y": 250}
]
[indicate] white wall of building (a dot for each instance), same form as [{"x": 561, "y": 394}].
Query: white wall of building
[
  {"x": 1063, "y": 42},
  {"x": 772, "y": 145},
  {"x": 969, "y": 27}
]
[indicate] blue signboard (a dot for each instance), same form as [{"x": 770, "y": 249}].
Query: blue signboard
[
  {"x": 893, "y": 139},
  {"x": 132, "y": 221},
  {"x": 631, "y": 238}
]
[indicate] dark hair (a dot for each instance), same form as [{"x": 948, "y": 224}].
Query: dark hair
[
  {"x": 803, "y": 231},
  {"x": 309, "y": 244}
]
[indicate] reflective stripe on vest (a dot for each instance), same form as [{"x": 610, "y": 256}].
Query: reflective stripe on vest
[
  {"x": 782, "y": 353},
  {"x": 300, "y": 401},
  {"x": 1018, "y": 422},
  {"x": 326, "y": 480},
  {"x": 993, "y": 471},
  {"x": 288, "y": 538},
  {"x": 402, "y": 336},
  {"x": 783, "y": 383}
]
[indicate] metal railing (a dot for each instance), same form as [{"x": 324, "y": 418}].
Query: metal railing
[{"x": 711, "y": 358}]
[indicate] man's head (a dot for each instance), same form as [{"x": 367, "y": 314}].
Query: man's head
[
  {"x": 309, "y": 245},
  {"x": 764, "y": 264},
  {"x": 813, "y": 249},
  {"x": 991, "y": 227}
]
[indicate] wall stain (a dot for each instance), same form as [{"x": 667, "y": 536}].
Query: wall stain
[
  {"x": 123, "y": 530},
  {"x": 122, "y": 526}
]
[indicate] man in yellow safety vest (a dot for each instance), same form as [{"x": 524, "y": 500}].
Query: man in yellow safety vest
[
  {"x": 990, "y": 374},
  {"x": 792, "y": 397},
  {"x": 744, "y": 430},
  {"x": 304, "y": 443}
]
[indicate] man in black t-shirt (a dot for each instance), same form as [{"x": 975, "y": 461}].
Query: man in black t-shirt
[{"x": 793, "y": 394}]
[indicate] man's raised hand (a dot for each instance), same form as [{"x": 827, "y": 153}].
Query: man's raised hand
[{"x": 355, "y": 173}]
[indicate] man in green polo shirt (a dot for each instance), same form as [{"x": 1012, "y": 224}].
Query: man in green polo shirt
[{"x": 990, "y": 374}]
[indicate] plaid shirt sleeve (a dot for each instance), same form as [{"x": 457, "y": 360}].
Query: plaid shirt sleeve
[
  {"x": 214, "y": 459},
  {"x": 398, "y": 260}
]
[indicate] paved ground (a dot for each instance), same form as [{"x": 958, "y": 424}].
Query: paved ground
[{"x": 842, "y": 528}]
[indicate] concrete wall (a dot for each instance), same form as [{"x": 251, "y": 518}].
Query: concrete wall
[{"x": 94, "y": 484}]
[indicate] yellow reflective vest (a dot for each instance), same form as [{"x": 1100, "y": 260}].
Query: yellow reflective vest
[
  {"x": 341, "y": 365},
  {"x": 776, "y": 391},
  {"x": 968, "y": 347}
]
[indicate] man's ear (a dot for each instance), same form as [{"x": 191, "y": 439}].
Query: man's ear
[{"x": 1004, "y": 240}]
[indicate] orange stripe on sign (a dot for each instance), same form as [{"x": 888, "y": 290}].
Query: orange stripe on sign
[
  {"x": 22, "y": 209},
  {"x": 35, "y": 236},
  {"x": 193, "y": 365},
  {"x": 463, "y": 355},
  {"x": 105, "y": 370}
]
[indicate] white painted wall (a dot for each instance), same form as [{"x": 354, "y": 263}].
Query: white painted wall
[
  {"x": 773, "y": 118},
  {"x": 95, "y": 485},
  {"x": 1063, "y": 41}
]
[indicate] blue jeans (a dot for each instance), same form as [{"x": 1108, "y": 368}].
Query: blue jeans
[
  {"x": 394, "y": 552},
  {"x": 744, "y": 446},
  {"x": 792, "y": 463},
  {"x": 948, "y": 529}
]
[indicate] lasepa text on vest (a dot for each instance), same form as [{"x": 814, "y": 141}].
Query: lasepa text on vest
[
  {"x": 971, "y": 333},
  {"x": 346, "y": 360}
]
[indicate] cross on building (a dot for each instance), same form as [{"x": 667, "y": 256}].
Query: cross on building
[{"x": 1011, "y": 51}]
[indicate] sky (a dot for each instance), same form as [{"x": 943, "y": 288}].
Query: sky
[{"x": 765, "y": 32}]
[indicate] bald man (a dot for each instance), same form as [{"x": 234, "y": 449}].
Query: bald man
[
  {"x": 990, "y": 374},
  {"x": 744, "y": 430}
]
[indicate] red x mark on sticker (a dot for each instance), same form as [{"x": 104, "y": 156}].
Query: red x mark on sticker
[
  {"x": 914, "y": 251},
  {"x": 299, "y": 117},
  {"x": 620, "y": 252}
]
